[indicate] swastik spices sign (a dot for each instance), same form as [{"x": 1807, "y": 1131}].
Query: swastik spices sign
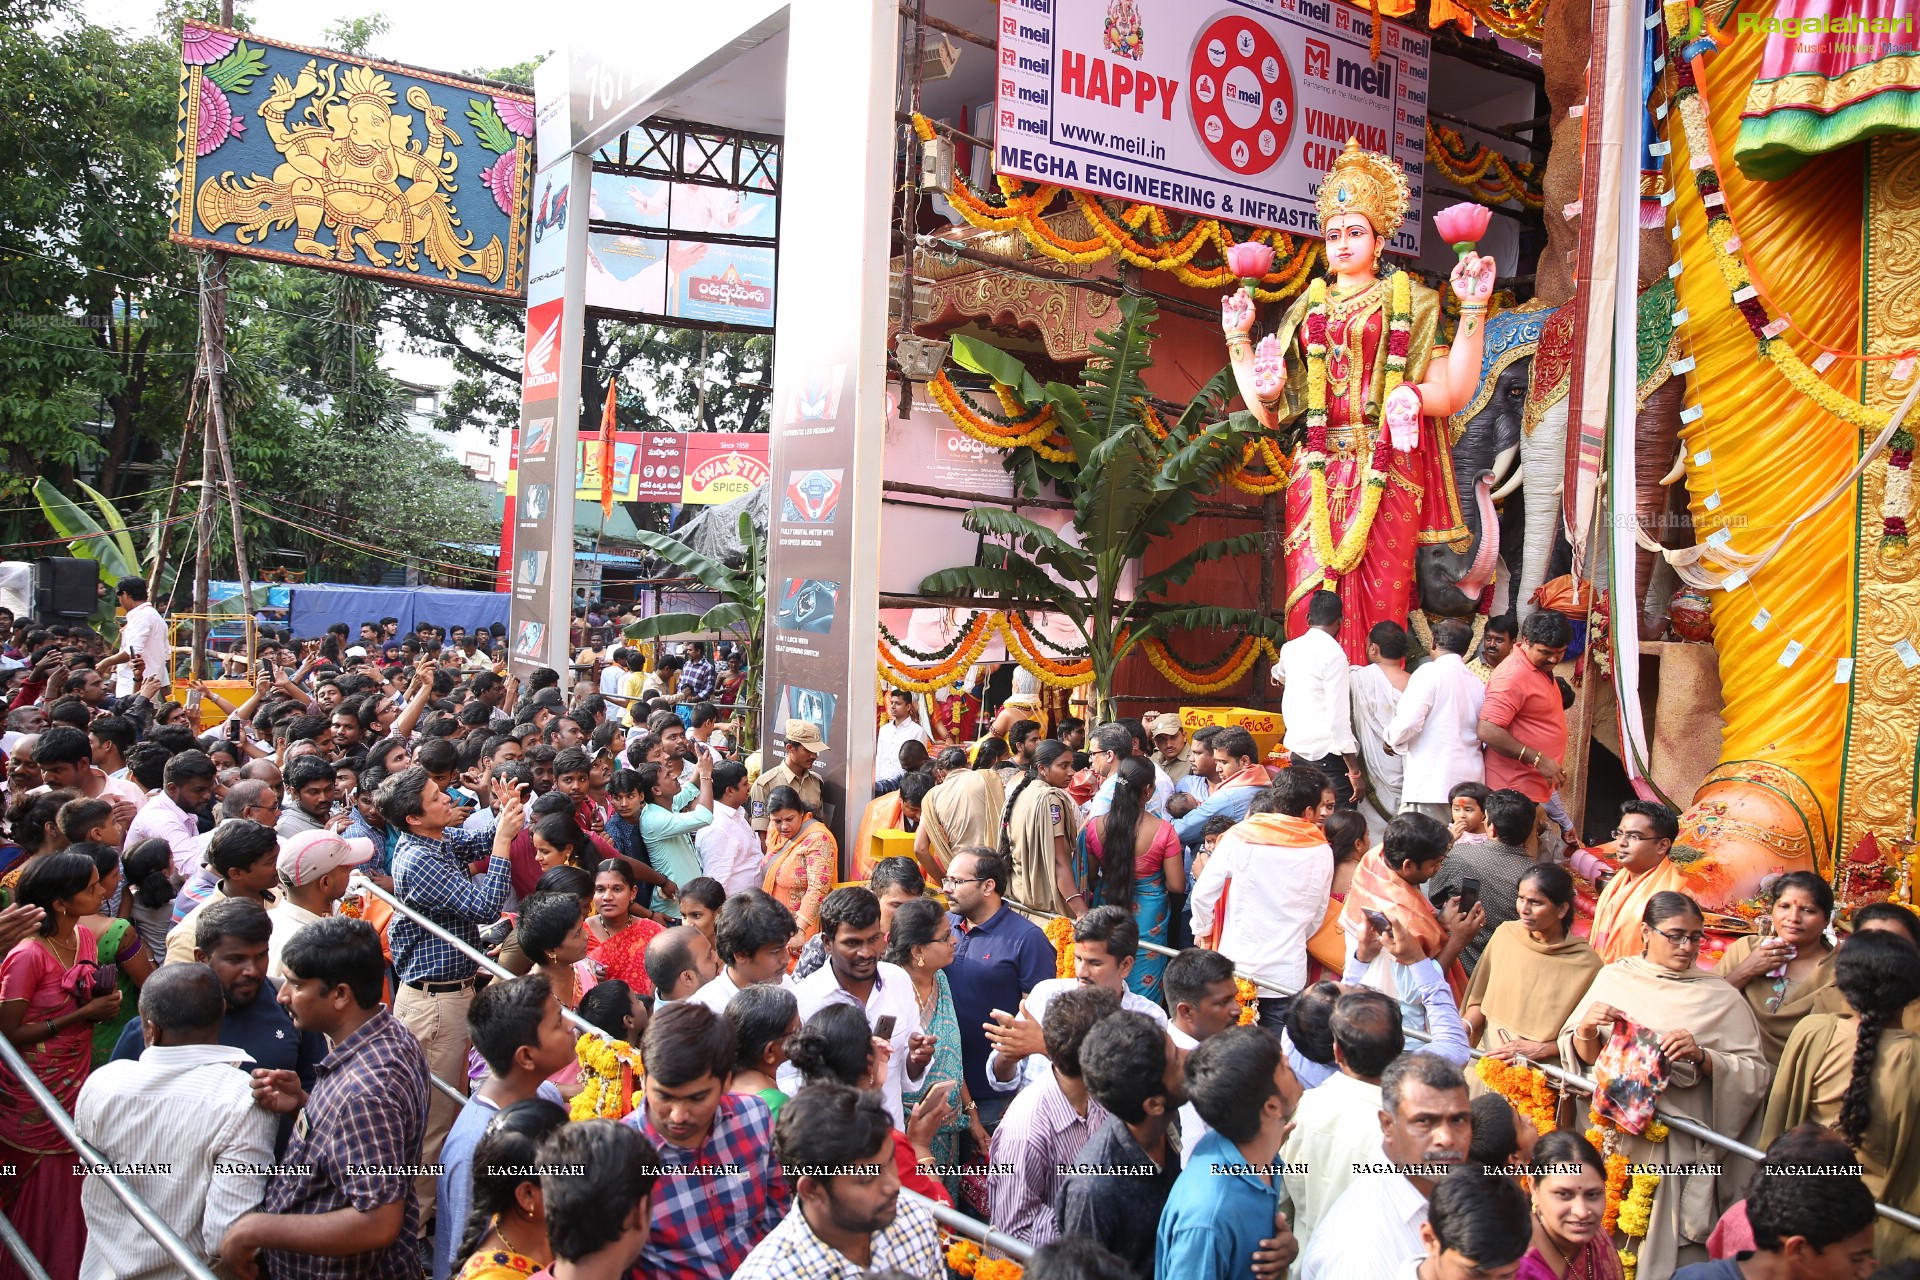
[
  {"x": 326, "y": 160},
  {"x": 1234, "y": 110}
]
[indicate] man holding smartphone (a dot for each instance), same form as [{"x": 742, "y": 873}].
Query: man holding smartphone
[{"x": 1491, "y": 869}]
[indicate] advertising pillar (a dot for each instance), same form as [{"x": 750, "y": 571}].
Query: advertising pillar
[{"x": 829, "y": 416}]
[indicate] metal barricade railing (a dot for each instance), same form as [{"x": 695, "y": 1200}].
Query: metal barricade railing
[
  {"x": 360, "y": 884},
  {"x": 1561, "y": 1076},
  {"x": 152, "y": 1223},
  {"x": 22, "y": 1257},
  {"x": 972, "y": 1228}
]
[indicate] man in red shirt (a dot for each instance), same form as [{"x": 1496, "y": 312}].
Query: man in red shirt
[{"x": 1522, "y": 721}]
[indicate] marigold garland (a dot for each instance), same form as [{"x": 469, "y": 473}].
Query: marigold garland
[
  {"x": 1059, "y": 931},
  {"x": 1222, "y": 675},
  {"x": 1194, "y": 254},
  {"x": 1630, "y": 1189},
  {"x": 964, "y": 1258},
  {"x": 1336, "y": 561},
  {"x": 1487, "y": 175},
  {"x": 607, "y": 1070},
  {"x": 1526, "y": 1087},
  {"x": 1249, "y": 997}
]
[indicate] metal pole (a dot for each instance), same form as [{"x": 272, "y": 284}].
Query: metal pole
[
  {"x": 1559, "y": 1075},
  {"x": 142, "y": 1212},
  {"x": 973, "y": 1229},
  {"x": 361, "y": 885},
  {"x": 458, "y": 1098},
  {"x": 10, "y": 1240}
]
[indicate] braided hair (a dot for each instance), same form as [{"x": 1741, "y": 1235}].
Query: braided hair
[
  {"x": 1132, "y": 789},
  {"x": 1043, "y": 756},
  {"x": 1879, "y": 974}
]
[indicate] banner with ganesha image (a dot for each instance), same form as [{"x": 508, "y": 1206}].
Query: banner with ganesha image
[{"x": 326, "y": 160}]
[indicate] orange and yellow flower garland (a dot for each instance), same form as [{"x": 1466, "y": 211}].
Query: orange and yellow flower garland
[
  {"x": 1525, "y": 1086},
  {"x": 1224, "y": 674},
  {"x": 608, "y": 1069},
  {"x": 1059, "y": 931},
  {"x": 1488, "y": 175},
  {"x": 1630, "y": 1191},
  {"x": 964, "y": 1258}
]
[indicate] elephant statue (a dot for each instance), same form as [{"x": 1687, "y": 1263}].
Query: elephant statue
[{"x": 1487, "y": 467}]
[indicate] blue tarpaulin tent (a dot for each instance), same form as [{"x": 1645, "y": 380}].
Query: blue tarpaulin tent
[{"x": 315, "y": 608}]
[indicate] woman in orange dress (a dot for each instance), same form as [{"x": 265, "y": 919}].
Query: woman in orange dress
[
  {"x": 802, "y": 858},
  {"x": 616, "y": 938}
]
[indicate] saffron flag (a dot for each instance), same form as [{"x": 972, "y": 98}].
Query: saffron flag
[{"x": 607, "y": 418}]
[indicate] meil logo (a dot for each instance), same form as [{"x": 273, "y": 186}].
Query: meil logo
[{"x": 1319, "y": 59}]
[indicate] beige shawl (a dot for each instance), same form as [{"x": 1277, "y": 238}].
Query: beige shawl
[
  {"x": 1526, "y": 989},
  {"x": 1728, "y": 1101},
  {"x": 1801, "y": 998}
]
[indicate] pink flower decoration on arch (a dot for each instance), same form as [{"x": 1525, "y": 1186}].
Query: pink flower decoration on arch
[
  {"x": 516, "y": 115},
  {"x": 502, "y": 178},
  {"x": 217, "y": 121},
  {"x": 200, "y": 47}
]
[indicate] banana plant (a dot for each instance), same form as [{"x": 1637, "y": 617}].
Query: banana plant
[
  {"x": 741, "y": 611},
  {"x": 1129, "y": 489},
  {"x": 108, "y": 542}
]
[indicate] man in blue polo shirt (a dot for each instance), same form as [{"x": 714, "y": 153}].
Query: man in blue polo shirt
[
  {"x": 231, "y": 936},
  {"x": 999, "y": 956}
]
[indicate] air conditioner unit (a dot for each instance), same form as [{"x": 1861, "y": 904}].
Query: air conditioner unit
[{"x": 936, "y": 165}]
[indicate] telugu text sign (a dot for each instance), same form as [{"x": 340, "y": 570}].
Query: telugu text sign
[{"x": 1234, "y": 110}]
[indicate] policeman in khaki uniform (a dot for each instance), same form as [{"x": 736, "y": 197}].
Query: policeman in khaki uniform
[
  {"x": 1172, "y": 750},
  {"x": 804, "y": 746}
]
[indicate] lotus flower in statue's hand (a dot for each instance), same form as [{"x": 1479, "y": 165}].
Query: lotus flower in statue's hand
[
  {"x": 1402, "y": 413},
  {"x": 1250, "y": 261},
  {"x": 1463, "y": 225}
]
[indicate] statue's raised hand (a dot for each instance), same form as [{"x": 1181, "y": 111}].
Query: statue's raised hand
[
  {"x": 1269, "y": 368},
  {"x": 1473, "y": 278},
  {"x": 1236, "y": 313}
]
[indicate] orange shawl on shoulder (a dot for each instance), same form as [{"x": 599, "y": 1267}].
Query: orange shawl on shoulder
[
  {"x": 1376, "y": 888},
  {"x": 1268, "y": 829},
  {"x": 1616, "y": 916}
]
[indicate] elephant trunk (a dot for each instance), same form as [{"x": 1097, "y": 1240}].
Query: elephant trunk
[{"x": 1486, "y": 553}]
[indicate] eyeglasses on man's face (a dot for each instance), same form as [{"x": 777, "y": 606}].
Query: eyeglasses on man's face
[
  {"x": 950, "y": 882},
  {"x": 1628, "y": 837}
]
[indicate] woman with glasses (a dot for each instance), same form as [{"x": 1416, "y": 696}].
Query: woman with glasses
[
  {"x": 1718, "y": 1070},
  {"x": 921, "y": 942},
  {"x": 1784, "y": 969}
]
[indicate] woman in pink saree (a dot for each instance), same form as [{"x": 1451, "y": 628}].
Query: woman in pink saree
[{"x": 1568, "y": 1187}]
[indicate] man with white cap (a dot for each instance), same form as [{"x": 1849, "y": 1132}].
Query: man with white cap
[
  {"x": 804, "y": 745},
  {"x": 314, "y": 869}
]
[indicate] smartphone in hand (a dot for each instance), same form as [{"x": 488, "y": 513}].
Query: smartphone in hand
[
  {"x": 1379, "y": 921},
  {"x": 1469, "y": 893},
  {"x": 884, "y": 1027}
]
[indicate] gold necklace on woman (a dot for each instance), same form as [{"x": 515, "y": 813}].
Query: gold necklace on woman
[{"x": 71, "y": 960}]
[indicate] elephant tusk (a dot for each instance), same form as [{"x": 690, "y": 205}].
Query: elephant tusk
[
  {"x": 1677, "y": 470},
  {"x": 1513, "y": 482}
]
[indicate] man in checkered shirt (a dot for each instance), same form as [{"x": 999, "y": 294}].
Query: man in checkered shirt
[
  {"x": 836, "y": 1144},
  {"x": 341, "y": 1205}
]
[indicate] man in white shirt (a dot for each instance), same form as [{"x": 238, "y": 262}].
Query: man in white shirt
[
  {"x": 1104, "y": 942},
  {"x": 1200, "y": 987},
  {"x": 143, "y": 635},
  {"x": 1280, "y": 870},
  {"x": 854, "y": 974},
  {"x": 1436, "y": 727},
  {"x": 900, "y": 729},
  {"x": 729, "y": 847},
  {"x": 185, "y": 787},
  {"x": 1376, "y": 690},
  {"x": 750, "y": 934},
  {"x": 1373, "y": 1229},
  {"x": 314, "y": 868},
  {"x": 1337, "y": 1125},
  {"x": 184, "y": 1108},
  {"x": 1317, "y": 704}
]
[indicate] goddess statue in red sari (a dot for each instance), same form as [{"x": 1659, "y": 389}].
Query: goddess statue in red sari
[{"x": 1358, "y": 361}]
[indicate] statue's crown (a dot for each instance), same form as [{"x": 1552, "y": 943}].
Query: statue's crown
[{"x": 1367, "y": 184}]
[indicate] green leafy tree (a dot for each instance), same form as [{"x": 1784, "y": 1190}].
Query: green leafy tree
[
  {"x": 1129, "y": 489},
  {"x": 741, "y": 611}
]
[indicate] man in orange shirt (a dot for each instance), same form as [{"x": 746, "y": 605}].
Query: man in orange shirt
[
  {"x": 1522, "y": 721},
  {"x": 1645, "y": 835}
]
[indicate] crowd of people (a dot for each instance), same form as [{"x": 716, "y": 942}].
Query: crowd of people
[{"x": 247, "y": 963}]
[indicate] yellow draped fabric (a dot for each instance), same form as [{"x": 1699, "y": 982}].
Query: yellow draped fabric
[{"x": 1773, "y": 451}]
